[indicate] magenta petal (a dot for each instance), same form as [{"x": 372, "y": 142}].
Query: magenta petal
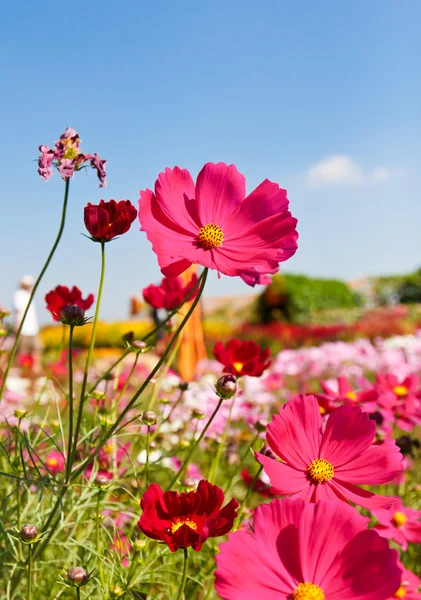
[
  {"x": 366, "y": 569},
  {"x": 173, "y": 189},
  {"x": 348, "y": 433},
  {"x": 379, "y": 463},
  {"x": 283, "y": 478},
  {"x": 295, "y": 433},
  {"x": 325, "y": 529},
  {"x": 360, "y": 496},
  {"x": 220, "y": 188}
]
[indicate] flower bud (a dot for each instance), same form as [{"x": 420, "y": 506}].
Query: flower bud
[
  {"x": 196, "y": 413},
  {"x": 77, "y": 575},
  {"x": 20, "y": 413},
  {"x": 226, "y": 386},
  {"x": 149, "y": 418},
  {"x": 260, "y": 426},
  {"x": 73, "y": 315},
  {"x": 29, "y": 532},
  {"x": 189, "y": 483},
  {"x": 139, "y": 545},
  {"x": 183, "y": 386},
  {"x": 139, "y": 345},
  {"x": 101, "y": 480},
  {"x": 266, "y": 451},
  {"x": 105, "y": 420}
]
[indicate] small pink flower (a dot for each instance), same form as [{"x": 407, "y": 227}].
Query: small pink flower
[
  {"x": 54, "y": 463},
  {"x": 298, "y": 551},
  {"x": 212, "y": 223},
  {"x": 399, "y": 523},
  {"x": 409, "y": 586},
  {"x": 327, "y": 464}
]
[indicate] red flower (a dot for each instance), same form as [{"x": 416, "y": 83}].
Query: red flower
[
  {"x": 106, "y": 220},
  {"x": 242, "y": 358},
  {"x": 170, "y": 293},
  {"x": 186, "y": 519},
  {"x": 62, "y": 296}
]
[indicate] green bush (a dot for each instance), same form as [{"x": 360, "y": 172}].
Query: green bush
[{"x": 294, "y": 298}]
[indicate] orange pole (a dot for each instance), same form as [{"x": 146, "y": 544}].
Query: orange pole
[{"x": 192, "y": 346}]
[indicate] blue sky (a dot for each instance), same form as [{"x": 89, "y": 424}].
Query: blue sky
[{"x": 322, "y": 97}]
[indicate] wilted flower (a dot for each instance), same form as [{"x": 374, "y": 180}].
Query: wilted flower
[{"x": 67, "y": 157}]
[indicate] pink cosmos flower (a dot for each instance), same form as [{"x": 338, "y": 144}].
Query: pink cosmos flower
[
  {"x": 299, "y": 551},
  {"x": 327, "y": 464},
  {"x": 343, "y": 392},
  {"x": 54, "y": 463},
  {"x": 399, "y": 523},
  {"x": 212, "y": 223},
  {"x": 409, "y": 586}
]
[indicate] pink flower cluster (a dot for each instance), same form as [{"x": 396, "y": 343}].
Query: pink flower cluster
[{"x": 67, "y": 157}]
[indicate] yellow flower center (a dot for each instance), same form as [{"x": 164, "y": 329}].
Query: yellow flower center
[
  {"x": 180, "y": 522},
  {"x": 322, "y": 409},
  {"x": 308, "y": 591},
  {"x": 400, "y": 390},
  {"x": 109, "y": 448},
  {"x": 52, "y": 462},
  {"x": 400, "y": 592},
  {"x": 210, "y": 236},
  {"x": 399, "y": 519},
  {"x": 319, "y": 471},
  {"x": 238, "y": 366},
  {"x": 72, "y": 148},
  {"x": 351, "y": 395}
]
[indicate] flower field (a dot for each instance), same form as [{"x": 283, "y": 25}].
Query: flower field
[{"x": 275, "y": 475}]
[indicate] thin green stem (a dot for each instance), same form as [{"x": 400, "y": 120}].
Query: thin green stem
[
  {"x": 243, "y": 457},
  {"x": 145, "y": 384},
  {"x": 98, "y": 538},
  {"x": 166, "y": 368},
  {"x": 247, "y": 496},
  {"x": 196, "y": 443},
  {"x": 30, "y": 566},
  {"x": 89, "y": 357},
  {"x": 108, "y": 371},
  {"x": 180, "y": 594},
  {"x": 215, "y": 463},
  {"x": 148, "y": 438},
  {"x": 34, "y": 289},
  {"x": 69, "y": 441},
  {"x": 77, "y": 593}
]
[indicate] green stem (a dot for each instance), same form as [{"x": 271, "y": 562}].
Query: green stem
[
  {"x": 69, "y": 447},
  {"x": 242, "y": 461},
  {"x": 215, "y": 463},
  {"x": 196, "y": 443},
  {"x": 166, "y": 368},
  {"x": 98, "y": 538},
  {"x": 89, "y": 357},
  {"x": 148, "y": 437},
  {"x": 30, "y": 565},
  {"x": 108, "y": 371},
  {"x": 142, "y": 388},
  {"x": 180, "y": 594},
  {"x": 77, "y": 593},
  {"x": 34, "y": 289},
  {"x": 247, "y": 496}
]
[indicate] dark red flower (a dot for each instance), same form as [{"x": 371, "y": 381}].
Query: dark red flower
[
  {"x": 106, "y": 220},
  {"x": 186, "y": 519},
  {"x": 62, "y": 296},
  {"x": 259, "y": 486},
  {"x": 242, "y": 358},
  {"x": 170, "y": 293}
]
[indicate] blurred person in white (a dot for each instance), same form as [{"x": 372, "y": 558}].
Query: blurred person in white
[{"x": 29, "y": 342}]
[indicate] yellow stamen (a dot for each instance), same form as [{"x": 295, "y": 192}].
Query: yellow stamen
[
  {"x": 400, "y": 592},
  {"x": 180, "y": 522},
  {"x": 308, "y": 591},
  {"x": 399, "y": 519},
  {"x": 400, "y": 390},
  {"x": 238, "y": 366},
  {"x": 319, "y": 471},
  {"x": 109, "y": 448},
  {"x": 322, "y": 409},
  {"x": 210, "y": 236},
  {"x": 52, "y": 462},
  {"x": 351, "y": 395}
]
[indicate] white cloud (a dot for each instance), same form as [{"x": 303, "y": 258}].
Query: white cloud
[
  {"x": 341, "y": 169},
  {"x": 381, "y": 174}
]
